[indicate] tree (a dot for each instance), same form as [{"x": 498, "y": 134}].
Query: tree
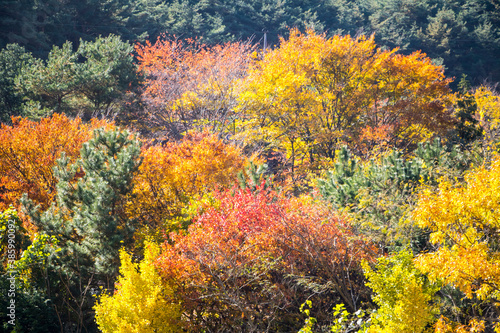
[
  {"x": 313, "y": 94},
  {"x": 89, "y": 221},
  {"x": 19, "y": 24},
  {"x": 379, "y": 194},
  {"x": 141, "y": 302},
  {"x": 464, "y": 34},
  {"x": 86, "y": 82},
  {"x": 47, "y": 84},
  {"x": 396, "y": 23},
  {"x": 40, "y": 25},
  {"x": 13, "y": 58},
  {"x": 175, "y": 175},
  {"x": 251, "y": 258},
  {"x": 33, "y": 311},
  {"x": 468, "y": 128},
  {"x": 402, "y": 293},
  {"x": 191, "y": 85},
  {"x": 106, "y": 73},
  {"x": 488, "y": 113},
  {"x": 463, "y": 220},
  {"x": 29, "y": 151}
]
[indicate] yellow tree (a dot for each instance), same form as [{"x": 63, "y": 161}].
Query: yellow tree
[
  {"x": 488, "y": 112},
  {"x": 141, "y": 303},
  {"x": 313, "y": 93},
  {"x": 402, "y": 293},
  {"x": 465, "y": 226}
]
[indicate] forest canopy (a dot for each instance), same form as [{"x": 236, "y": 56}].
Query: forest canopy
[
  {"x": 463, "y": 35},
  {"x": 162, "y": 169}
]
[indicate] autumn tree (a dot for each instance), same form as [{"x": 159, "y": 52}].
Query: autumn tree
[
  {"x": 313, "y": 93},
  {"x": 403, "y": 295},
  {"x": 174, "y": 175},
  {"x": 488, "y": 113},
  {"x": 140, "y": 303},
  {"x": 29, "y": 151},
  {"x": 463, "y": 220},
  {"x": 252, "y": 257},
  {"x": 191, "y": 85}
]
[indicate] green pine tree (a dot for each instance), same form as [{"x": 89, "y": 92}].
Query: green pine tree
[{"x": 89, "y": 222}]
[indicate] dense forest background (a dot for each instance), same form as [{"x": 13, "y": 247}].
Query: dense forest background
[
  {"x": 463, "y": 35},
  {"x": 246, "y": 166}
]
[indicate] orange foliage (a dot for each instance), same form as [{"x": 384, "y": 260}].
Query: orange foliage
[
  {"x": 173, "y": 174},
  {"x": 29, "y": 151},
  {"x": 246, "y": 256},
  {"x": 187, "y": 82}
]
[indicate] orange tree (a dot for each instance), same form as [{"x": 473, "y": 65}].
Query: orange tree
[
  {"x": 29, "y": 151},
  {"x": 312, "y": 94},
  {"x": 252, "y": 257},
  {"x": 189, "y": 84},
  {"x": 175, "y": 173}
]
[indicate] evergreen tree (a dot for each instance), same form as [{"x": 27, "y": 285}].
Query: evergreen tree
[
  {"x": 89, "y": 222},
  {"x": 467, "y": 130},
  {"x": 105, "y": 72},
  {"x": 379, "y": 193},
  {"x": 13, "y": 58},
  {"x": 88, "y": 82}
]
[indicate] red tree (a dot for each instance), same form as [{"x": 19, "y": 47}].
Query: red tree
[{"x": 253, "y": 257}]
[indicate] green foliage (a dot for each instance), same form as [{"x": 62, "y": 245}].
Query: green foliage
[
  {"x": 396, "y": 22},
  {"x": 468, "y": 129},
  {"x": 34, "y": 312},
  {"x": 37, "y": 254},
  {"x": 94, "y": 203},
  {"x": 344, "y": 181},
  {"x": 106, "y": 72},
  {"x": 48, "y": 83},
  {"x": 379, "y": 193},
  {"x": 87, "y": 82},
  {"x": 88, "y": 221},
  {"x": 462, "y": 34},
  {"x": 76, "y": 253},
  {"x": 19, "y": 23},
  {"x": 39, "y": 25},
  {"x": 254, "y": 176},
  {"x": 13, "y": 58}
]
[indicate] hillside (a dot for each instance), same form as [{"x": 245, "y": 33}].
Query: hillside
[{"x": 329, "y": 182}]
